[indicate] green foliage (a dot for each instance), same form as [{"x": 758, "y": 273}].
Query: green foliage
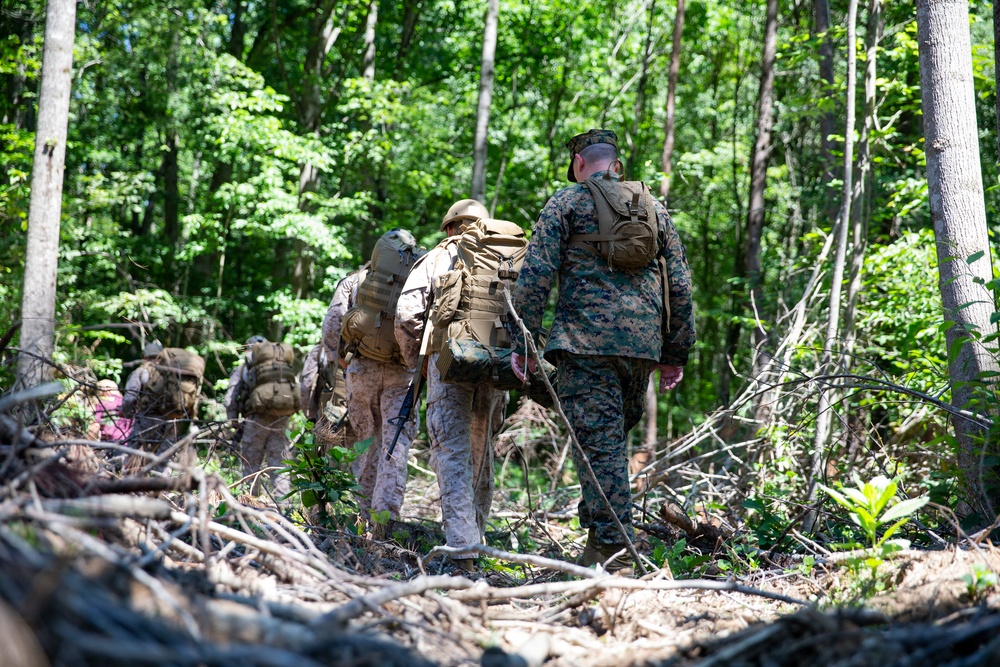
[
  {"x": 868, "y": 508},
  {"x": 322, "y": 477},
  {"x": 980, "y": 581},
  {"x": 685, "y": 563}
]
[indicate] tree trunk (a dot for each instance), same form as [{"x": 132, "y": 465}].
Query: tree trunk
[
  {"x": 827, "y": 122},
  {"x": 411, "y": 13},
  {"x": 758, "y": 163},
  {"x": 861, "y": 215},
  {"x": 958, "y": 212},
  {"x": 38, "y": 301},
  {"x": 368, "y": 64},
  {"x": 668, "y": 123},
  {"x": 481, "y": 145},
  {"x": 639, "y": 110},
  {"x": 831, "y": 347},
  {"x": 996, "y": 59}
]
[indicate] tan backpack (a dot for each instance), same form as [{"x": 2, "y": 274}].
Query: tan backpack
[
  {"x": 629, "y": 230},
  {"x": 272, "y": 389},
  {"x": 368, "y": 327},
  {"x": 468, "y": 300},
  {"x": 174, "y": 384}
]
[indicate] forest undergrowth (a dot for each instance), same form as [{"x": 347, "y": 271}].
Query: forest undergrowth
[{"x": 113, "y": 556}]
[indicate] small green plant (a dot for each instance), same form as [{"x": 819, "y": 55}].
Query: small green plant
[
  {"x": 868, "y": 507},
  {"x": 682, "y": 564},
  {"x": 322, "y": 476},
  {"x": 980, "y": 581}
]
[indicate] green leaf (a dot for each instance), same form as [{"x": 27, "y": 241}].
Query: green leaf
[
  {"x": 976, "y": 256},
  {"x": 904, "y": 508}
]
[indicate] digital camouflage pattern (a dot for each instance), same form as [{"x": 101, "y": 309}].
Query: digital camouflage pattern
[
  {"x": 602, "y": 311},
  {"x": 375, "y": 393},
  {"x": 343, "y": 300},
  {"x": 603, "y": 397}
]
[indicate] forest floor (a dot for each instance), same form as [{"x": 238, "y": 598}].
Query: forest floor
[{"x": 122, "y": 559}]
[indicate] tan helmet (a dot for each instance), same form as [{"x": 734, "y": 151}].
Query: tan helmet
[{"x": 467, "y": 209}]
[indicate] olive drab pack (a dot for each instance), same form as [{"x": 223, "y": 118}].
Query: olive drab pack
[
  {"x": 629, "y": 234},
  {"x": 369, "y": 327},
  {"x": 469, "y": 303},
  {"x": 272, "y": 388},
  {"x": 174, "y": 384}
]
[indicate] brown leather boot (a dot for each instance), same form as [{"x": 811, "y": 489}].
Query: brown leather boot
[{"x": 597, "y": 553}]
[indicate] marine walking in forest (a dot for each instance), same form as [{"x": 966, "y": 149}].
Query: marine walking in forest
[
  {"x": 446, "y": 292},
  {"x": 624, "y": 309},
  {"x": 162, "y": 396},
  {"x": 263, "y": 389},
  {"x": 360, "y": 324}
]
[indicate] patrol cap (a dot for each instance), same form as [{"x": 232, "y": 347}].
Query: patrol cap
[
  {"x": 152, "y": 349},
  {"x": 589, "y": 138},
  {"x": 466, "y": 209}
]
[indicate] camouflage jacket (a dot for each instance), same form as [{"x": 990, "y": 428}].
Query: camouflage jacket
[{"x": 602, "y": 311}]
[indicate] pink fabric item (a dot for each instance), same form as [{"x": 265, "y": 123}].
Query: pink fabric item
[{"x": 107, "y": 413}]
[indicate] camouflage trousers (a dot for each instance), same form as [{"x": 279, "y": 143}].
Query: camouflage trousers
[
  {"x": 462, "y": 423},
  {"x": 154, "y": 434},
  {"x": 603, "y": 397},
  {"x": 264, "y": 446},
  {"x": 375, "y": 393}
]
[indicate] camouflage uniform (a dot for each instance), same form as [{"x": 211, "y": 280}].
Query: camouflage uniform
[
  {"x": 606, "y": 339},
  {"x": 375, "y": 392},
  {"x": 462, "y": 420},
  {"x": 264, "y": 443},
  {"x": 150, "y": 432}
]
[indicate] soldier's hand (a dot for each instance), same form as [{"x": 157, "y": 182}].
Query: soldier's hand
[
  {"x": 670, "y": 376},
  {"x": 517, "y": 364}
]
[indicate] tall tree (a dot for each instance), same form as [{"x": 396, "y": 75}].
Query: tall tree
[
  {"x": 996, "y": 77},
  {"x": 481, "y": 143},
  {"x": 827, "y": 121},
  {"x": 669, "y": 121},
  {"x": 831, "y": 345},
  {"x": 639, "y": 110},
  {"x": 958, "y": 212},
  {"x": 749, "y": 264},
  {"x": 38, "y": 300}
]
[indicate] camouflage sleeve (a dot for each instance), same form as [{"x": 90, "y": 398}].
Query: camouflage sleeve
[
  {"x": 332, "y": 323},
  {"x": 412, "y": 306},
  {"x": 540, "y": 269},
  {"x": 307, "y": 380},
  {"x": 233, "y": 392},
  {"x": 133, "y": 386},
  {"x": 679, "y": 332}
]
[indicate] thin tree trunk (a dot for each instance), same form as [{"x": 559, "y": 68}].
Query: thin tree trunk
[
  {"x": 481, "y": 143},
  {"x": 368, "y": 64},
  {"x": 411, "y": 13},
  {"x": 639, "y": 110},
  {"x": 996, "y": 76},
  {"x": 38, "y": 300},
  {"x": 831, "y": 345},
  {"x": 669, "y": 121},
  {"x": 759, "y": 161},
  {"x": 827, "y": 123},
  {"x": 958, "y": 212},
  {"x": 861, "y": 211}
]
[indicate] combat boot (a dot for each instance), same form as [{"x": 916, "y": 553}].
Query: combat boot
[{"x": 595, "y": 553}]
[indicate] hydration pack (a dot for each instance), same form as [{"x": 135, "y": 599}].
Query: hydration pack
[
  {"x": 629, "y": 231},
  {"x": 368, "y": 327}
]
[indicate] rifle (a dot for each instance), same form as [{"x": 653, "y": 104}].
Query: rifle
[{"x": 416, "y": 381}]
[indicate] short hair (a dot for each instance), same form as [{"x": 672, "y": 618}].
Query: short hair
[{"x": 599, "y": 153}]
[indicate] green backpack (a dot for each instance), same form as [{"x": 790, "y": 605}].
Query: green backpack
[
  {"x": 174, "y": 384},
  {"x": 273, "y": 389},
  {"x": 368, "y": 327},
  {"x": 629, "y": 230}
]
